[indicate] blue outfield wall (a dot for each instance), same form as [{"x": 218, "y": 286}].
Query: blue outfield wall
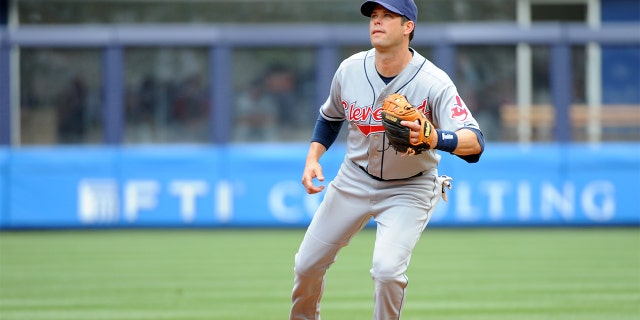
[{"x": 259, "y": 185}]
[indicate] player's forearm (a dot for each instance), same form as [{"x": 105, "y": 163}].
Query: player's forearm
[
  {"x": 316, "y": 150},
  {"x": 468, "y": 143}
]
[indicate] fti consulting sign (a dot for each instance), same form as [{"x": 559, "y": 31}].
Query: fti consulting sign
[{"x": 560, "y": 185}]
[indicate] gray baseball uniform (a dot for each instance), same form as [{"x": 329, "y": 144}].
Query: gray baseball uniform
[{"x": 399, "y": 192}]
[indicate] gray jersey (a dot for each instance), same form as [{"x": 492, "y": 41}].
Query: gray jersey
[{"x": 357, "y": 93}]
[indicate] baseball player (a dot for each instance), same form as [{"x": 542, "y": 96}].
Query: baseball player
[{"x": 397, "y": 190}]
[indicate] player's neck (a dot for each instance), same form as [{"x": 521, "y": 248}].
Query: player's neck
[{"x": 390, "y": 63}]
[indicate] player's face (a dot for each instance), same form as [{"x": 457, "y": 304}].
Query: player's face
[{"x": 385, "y": 28}]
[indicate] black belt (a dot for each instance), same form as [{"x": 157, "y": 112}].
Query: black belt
[{"x": 380, "y": 179}]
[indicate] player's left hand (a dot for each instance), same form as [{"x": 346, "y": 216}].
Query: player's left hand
[
  {"x": 407, "y": 128},
  {"x": 414, "y": 135}
]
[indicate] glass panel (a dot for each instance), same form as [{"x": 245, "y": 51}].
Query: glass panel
[
  {"x": 579, "y": 97},
  {"x": 621, "y": 93},
  {"x": 254, "y": 11},
  {"x": 466, "y": 10},
  {"x": 60, "y": 96},
  {"x": 275, "y": 94},
  {"x": 541, "y": 110},
  {"x": 167, "y": 95},
  {"x": 620, "y": 76},
  {"x": 486, "y": 79},
  {"x": 579, "y": 74},
  {"x": 544, "y": 112},
  {"x": 193, "y": 11},
  {"x": 576, "y": 12},
  {"x": 541, "y": 82}
]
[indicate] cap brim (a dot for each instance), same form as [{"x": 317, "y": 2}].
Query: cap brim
[{"x": 367, "y": 7}]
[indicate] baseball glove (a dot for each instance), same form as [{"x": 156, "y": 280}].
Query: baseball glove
[{"x": 395, "y": 109}]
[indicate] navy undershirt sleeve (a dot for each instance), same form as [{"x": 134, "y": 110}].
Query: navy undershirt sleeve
[
  {"x": 473, "y": 158},
  {"x": 326, "y": 131}
]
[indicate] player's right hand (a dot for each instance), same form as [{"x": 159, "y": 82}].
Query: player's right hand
[{"x": 312, "y": 170}]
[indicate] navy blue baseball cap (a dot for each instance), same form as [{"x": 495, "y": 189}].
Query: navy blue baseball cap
[{"x": 405, "y": 8}]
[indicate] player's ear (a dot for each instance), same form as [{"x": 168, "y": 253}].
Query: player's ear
[{"x": 408, "y": 27}]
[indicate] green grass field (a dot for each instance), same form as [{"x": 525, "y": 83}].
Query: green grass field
[{"x": 247, "y": 274}]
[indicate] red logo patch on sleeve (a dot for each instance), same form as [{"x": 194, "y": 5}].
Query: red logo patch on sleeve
[{"x": 458, "y": 111}]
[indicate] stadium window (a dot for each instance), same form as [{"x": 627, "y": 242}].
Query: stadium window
[
  {"x": 167, "y": 97},
  {"x": 564, "y": 12},
  {"x": 60, "y": 96},
  {"x": 274, "y": 90}
]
